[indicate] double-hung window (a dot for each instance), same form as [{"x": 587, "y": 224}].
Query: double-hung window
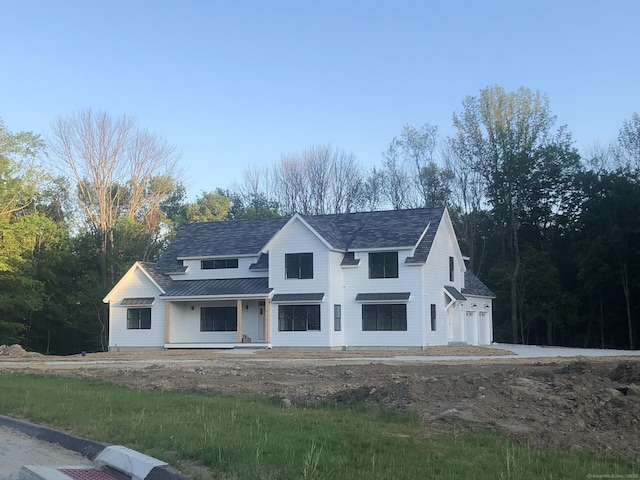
[
  {"x": 138, "y": 318},
  {"x": 383, "y": 265},
  {"x": 298, "y": 265}
]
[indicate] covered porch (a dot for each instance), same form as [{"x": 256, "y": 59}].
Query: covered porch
[{"x": 228, "y": 313}]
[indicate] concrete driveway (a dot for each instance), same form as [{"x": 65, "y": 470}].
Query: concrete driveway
[{"x": 520, "y": 351}]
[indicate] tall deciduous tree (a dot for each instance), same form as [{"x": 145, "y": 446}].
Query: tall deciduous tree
[
  {"x": 501, "y": 134},
  {"x": 627, "y": 149},
  {"x": 319, "y": 180},
  {"x": 26, "y": 232},
  {"x": 413, "y": 176},
  {"x": 119, "y": 169}
]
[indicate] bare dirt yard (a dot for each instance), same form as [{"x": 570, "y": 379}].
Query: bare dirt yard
[{"x": 570, "y": 404}]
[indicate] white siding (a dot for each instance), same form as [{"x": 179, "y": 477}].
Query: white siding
[
  {"x": 185, "y": 324},
  {"x": 297, "y": 238},
  {"x": 136, "y": 284},
  {"x": 356, "y": 280},
  {"x": 336, "y": 296},
  {"x": 436, "y": 276},
  {"x": 480, "y": 331},
  {"x": 195, "y": 271}
]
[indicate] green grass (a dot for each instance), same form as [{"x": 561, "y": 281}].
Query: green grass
[{"x": 256, "y": 439}]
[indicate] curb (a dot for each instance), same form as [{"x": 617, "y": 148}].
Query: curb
[{"x": 133, "y": 464}]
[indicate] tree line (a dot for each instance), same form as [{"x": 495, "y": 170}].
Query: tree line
[{"x": 553, "y": 232}]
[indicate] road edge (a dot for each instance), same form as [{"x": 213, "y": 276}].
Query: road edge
[{"x": 91, "y": 449}]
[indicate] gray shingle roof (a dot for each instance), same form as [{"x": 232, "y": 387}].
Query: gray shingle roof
[
  {"x": 362, "y": 230},
  {"x": 227, "y": 238},
  {"x": 220, "y": 287},
  {"x": 385, "y": 229},
  {"x": 424, "y": 247},
  {"x": 158, "y": 275},
  {"x": 474, "y": 286},
  {"x": 454, "y": 293},
  {"x": 262, "y": 263}
]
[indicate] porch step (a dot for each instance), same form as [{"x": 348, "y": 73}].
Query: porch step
[
  {"x": 218, "y": 346},
  {"x": 458, "y": 344}
]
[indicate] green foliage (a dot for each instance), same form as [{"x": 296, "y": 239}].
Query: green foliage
[
  {"x": 255, "y": 438},
  {"x": 209, "y": 207},
  {"x": 253, "y": 206}
]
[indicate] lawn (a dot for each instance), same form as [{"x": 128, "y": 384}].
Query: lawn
[{"x": 254, "y": 438}]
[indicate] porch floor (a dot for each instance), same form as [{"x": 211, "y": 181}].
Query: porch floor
[{"x": 215, "y": 345}]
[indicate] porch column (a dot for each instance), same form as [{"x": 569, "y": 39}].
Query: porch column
[
  {"x": 267, "y": 320},
  {"x": 167, "y": 322},
  {"x": 239, "y": 317}
]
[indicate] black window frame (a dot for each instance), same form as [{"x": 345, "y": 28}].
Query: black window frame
[
  {"x": 218, "y": 319},
  {"x": 299, "y": 318},
  {"x": 139, "y": 321},
  {"x": 434, "y": 321},
  {"x": 298, "y": 265},
  {"x": 218, "y": 263},
  {"x": 384, "y": 317},
  {"x": 383, "y": 265},
  {"x": 452, "y": 275},
  {"x": 337, "y": 317}
]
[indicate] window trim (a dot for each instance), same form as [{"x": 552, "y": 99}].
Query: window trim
[
  {"x": 296, "y": 321},
  {"x": 394, "y": 308},
  {"x": 139, "y": 319},
  {"x": 297, "y": 266},
  {"x": 385, "y": 264}
]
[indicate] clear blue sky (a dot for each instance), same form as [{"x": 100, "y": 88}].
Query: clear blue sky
[{"x": 240, "y": 83}]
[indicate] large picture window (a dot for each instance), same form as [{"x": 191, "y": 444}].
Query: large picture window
[
  {"x": 385, "y": 317},
  {"x": 298, "y": 318},
  {"x": 219, "y": 263},
  {"x": 299, "y": 265},
  {"x": 138, "y": 318},
  {"x": 218, "y": 319},
  {"x": 383, "y": 265}
]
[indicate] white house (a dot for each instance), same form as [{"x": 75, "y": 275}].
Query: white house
[{"x": 374, "y": 279}]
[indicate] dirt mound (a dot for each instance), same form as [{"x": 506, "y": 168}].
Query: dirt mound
[
  {"x": 627, "y": 372},
  {"x": 591, "y": 405},
  {"x": 12, "y": 351}
]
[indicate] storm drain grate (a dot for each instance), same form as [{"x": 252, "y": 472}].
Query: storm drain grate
[{"x": 87, "y": 474}]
